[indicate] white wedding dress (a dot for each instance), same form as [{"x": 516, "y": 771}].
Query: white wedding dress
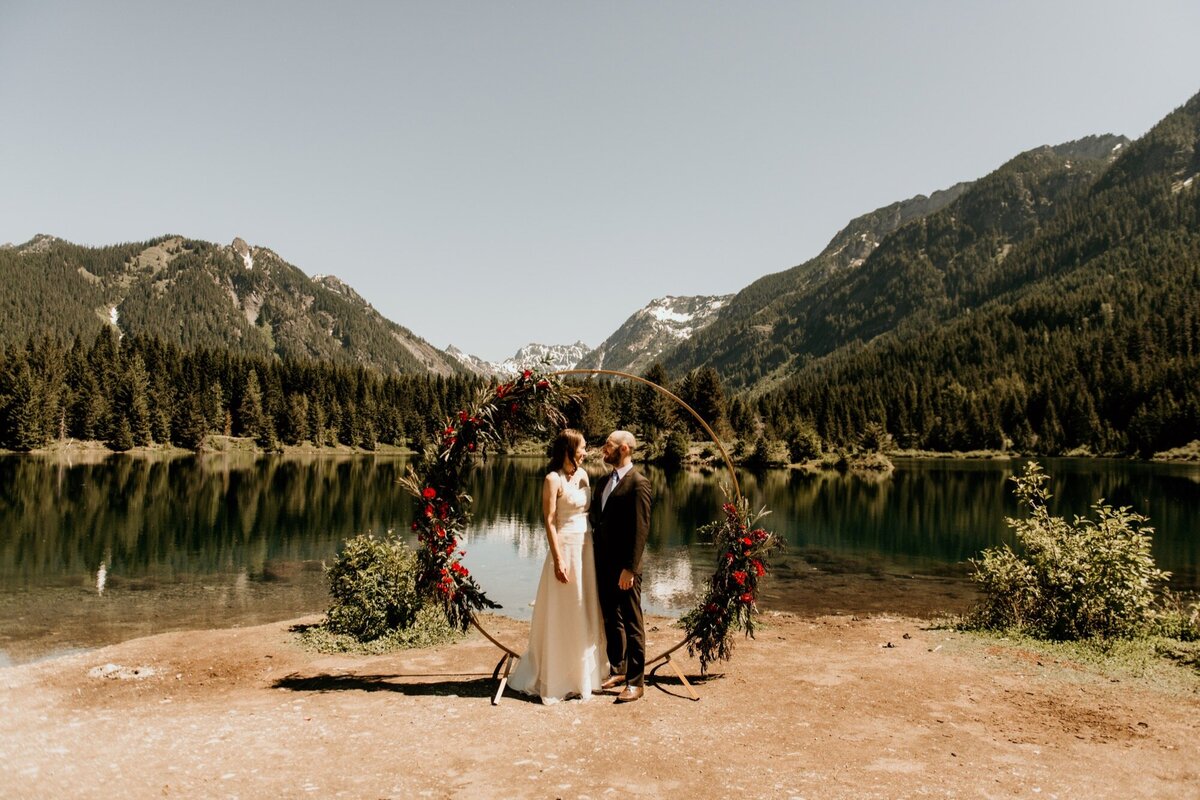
[{"x": 566, "y": 653}]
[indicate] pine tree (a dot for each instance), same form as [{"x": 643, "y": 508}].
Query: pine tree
[
  {"x": 21, "y": 412},
  {"x": 251, "y": 421}
]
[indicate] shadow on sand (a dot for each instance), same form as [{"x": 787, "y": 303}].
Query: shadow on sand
[
  {"x": 461, "y": 685},
  {"x": 451, "y": 685}
]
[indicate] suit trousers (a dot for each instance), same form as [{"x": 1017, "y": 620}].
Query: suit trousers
[{"x": 623, "y": 625}]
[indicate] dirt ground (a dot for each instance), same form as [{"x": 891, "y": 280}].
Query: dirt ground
[{"x": 823, "y": 707}]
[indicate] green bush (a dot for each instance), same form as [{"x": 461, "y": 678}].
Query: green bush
[
  {"x": 804, "y": 443},
  {"x": 1075, "y": 579},
  {"x": 373, "y": 586},
  {"x": 760, "y": 456},
  {"x": 1177, "y": 618},
  {"x": 876, "y": 439},
  {"x": 676, "y": 451}
]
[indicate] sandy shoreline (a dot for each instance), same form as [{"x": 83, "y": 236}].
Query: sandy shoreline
[{"x": 814, "y": 707}]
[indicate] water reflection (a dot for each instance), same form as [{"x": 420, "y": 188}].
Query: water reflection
[{"x": 96, "y": 552}]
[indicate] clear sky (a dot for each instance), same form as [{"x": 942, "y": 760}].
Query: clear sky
[{"x": 494, "y": 173}]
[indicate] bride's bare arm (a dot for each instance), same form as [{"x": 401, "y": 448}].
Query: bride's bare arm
[{"x": 549, "y": 511}]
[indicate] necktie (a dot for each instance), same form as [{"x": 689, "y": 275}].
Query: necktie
[{"x": 608, "y": 490}]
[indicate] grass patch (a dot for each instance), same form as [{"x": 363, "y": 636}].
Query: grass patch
[
  {"x": 1155, "y": 661},
  {"x": 429, "y": 628}
]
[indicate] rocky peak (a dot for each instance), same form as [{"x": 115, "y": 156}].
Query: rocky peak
[
  {"x": 335, "y": 284},
  {"x": 663, "y": 323},
  {"x": 38, "y": 244},
  {"x": 242, "y": 249},
  {"x": 559, "y": 356}
]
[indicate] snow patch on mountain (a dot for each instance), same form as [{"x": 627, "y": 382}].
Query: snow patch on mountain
[
  {"x": 651, "y": 331},
  {"x": 559, "y": 356},
  {"x": 242, "y": 249}
]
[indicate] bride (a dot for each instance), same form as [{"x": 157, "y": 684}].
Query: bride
[{"x": 566, "y": 653}]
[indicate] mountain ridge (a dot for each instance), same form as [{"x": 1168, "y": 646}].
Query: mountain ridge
[
  {"x": 201, "y": 294},
  {"x": 904, "y": 262}
]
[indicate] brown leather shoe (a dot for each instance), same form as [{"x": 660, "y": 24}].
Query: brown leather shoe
[
  {"x": 630, "y": 694},
  {"x": 612, "y": 682}
]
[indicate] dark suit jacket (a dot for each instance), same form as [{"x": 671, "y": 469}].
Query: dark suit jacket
[{"x": 619, "y": 532}]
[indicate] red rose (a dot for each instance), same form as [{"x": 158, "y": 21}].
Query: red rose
[
  {"x": 543, "y": 384},
  {"x": 513, "y": 408},
  {"x": 747, "y": 541},
  {"x": 740, "y": 577},
  {"x": 748, "y": 597},
  {"x": 471, "y": 446},
  {"x": 711, "y": 607},
  {"x": 429, "y": 493},
  {"x": 729, "y": 556},
  {"x": 526, "y": 373},
  {"x": 414, "y": 525},
  {"x": 759, "y": 569},
  {"x": 501, "y": 390},
  {"x": 448, "y": 432},
  {"x": 462, "y": 416},
  {"x": 429, "y": 511}
]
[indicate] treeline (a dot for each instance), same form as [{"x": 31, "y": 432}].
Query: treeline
[{"x": 139, "y": 390}]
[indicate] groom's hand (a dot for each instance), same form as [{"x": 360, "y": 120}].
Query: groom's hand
[{"x": 626, "y": 580}]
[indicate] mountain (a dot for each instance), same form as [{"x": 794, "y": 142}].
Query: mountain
[
  {"x": 560, "y": 357},
  {"x": 916, "y": 262},
  {"x": 1055, "y": 305},
  {"x": 199, "y": 294},
  {"x": 660, "y": 326}
]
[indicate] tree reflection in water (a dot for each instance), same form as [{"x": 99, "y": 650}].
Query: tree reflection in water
[{"x": 90, "y": 552}]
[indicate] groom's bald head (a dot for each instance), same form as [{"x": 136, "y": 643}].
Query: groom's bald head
[
  {"x": 619, "y": 447},
  {"x": 625, "y": 439}
]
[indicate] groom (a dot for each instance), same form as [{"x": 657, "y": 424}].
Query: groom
[{"x": 620, "y": 517}]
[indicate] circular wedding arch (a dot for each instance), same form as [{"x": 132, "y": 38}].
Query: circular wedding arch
[
  {"x": 707, "y": 429},
  {"x": 528, "y": 404}
]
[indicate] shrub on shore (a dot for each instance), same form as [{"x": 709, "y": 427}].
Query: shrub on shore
[
  {"x": 375, "y": 604},
  {"x": 1072, "y": 580}
]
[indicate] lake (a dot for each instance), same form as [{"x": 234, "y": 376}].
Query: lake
[{"x": 94, "y": 553}]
